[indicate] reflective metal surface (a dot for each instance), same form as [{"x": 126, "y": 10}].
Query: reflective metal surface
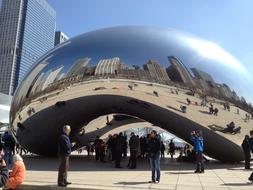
[{"x": 163, "y": 76}]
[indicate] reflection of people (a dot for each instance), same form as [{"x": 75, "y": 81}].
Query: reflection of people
[
  {"x": 154, "y": 156},
  {"x": 17, "y": 175},
  {"x": 196, "y": 137},
  {"x": 183, "y": 109},
  {"x": 246, "y": 150},
  {"x": 107, "y": 120},
  {"x": 231, "y": 126},
  {"x": 64, "y": 150}
]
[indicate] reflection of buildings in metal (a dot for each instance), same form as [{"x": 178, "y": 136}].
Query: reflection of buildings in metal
[
  {"x": 78, "y": 67},
  {"x": 108, "y": 66},
  {"x": 179, "y": 73},
  {"x": 97, "y": 74}
]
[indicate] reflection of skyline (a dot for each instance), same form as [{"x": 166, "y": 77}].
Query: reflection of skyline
[{"x": 152, "y": 71}]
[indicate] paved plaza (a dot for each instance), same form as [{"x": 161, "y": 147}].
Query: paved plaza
[{"x": 85, "y": 173}]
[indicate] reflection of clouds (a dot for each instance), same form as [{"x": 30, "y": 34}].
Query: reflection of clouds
[{"x": 213, "y": 51}]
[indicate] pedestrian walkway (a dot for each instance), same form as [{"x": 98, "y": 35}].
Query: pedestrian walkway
[{"x": 85, "y": 173}]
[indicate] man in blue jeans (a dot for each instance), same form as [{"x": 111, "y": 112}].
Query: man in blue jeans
[
  {"x": 154, "y": 146},
  {"x": 197, "y": 139}
]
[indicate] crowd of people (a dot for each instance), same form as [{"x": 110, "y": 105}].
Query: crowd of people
[{"x": 112, "y": 150}]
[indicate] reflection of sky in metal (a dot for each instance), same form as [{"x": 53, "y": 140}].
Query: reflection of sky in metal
[{"x": 137, "y": 45}]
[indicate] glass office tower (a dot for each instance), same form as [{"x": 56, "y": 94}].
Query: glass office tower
[{"x": 27, "y": 29}]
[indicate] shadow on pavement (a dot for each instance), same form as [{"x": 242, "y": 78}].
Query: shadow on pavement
[
  {"x": 132, "y": 183},
  {"x": 238, "y": 184},
  {"x": 85, "y": 163}
]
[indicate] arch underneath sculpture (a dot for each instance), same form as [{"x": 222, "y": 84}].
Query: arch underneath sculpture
[{"x": 40, "y": 137}]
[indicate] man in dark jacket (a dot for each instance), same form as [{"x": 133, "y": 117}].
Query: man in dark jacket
[
  {"x": 251, "y": 147},
  {"x": 64, "y": 151},
  {"x": 197, "y": 139},
  {"x": 154, "y": 146},
  {"x": 133, "y": 145},
  {"x": 246, "y": 150}
]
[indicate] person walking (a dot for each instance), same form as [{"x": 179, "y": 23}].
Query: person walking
[
  {"x": 154, "y": 146},
  {"x": 246, "y": 150},
  {"x": 197, "y": 139},
  {"x": 251, "y": 148},
  {"x": 64, "y": 151},
  {"x": 133, "y": 145}
]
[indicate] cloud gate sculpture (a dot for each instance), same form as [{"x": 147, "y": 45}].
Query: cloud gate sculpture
[{"x": 168, "y": 78}]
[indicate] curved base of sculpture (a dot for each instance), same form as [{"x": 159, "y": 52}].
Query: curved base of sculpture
[{"x": 76, "y": 112}]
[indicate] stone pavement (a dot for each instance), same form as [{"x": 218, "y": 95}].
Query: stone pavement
[{"x": 85, "y": 173}]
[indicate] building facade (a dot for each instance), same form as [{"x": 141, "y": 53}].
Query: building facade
[
  {"x": 108, "y": 66},
  {"x": 27, "y": 31},
  {"x": 156, "y": 71}
]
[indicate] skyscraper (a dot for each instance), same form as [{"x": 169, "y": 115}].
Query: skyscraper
[
  {"x": 156, "y": 71},
  {"x": 178, "y": 72},
  {"x": 60, "y": 37},
  {"x": 27, "y": 31}
]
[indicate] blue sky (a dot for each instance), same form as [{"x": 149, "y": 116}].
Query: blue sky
[{"x": 229, "y": 23}]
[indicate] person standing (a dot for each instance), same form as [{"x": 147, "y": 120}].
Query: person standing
[
  {"x": 64, "y": 151},
  {"x": 197, "y": 139},
  {"x": 118, "y": 150},
  {"x": 172, "y": 148},
  {"x": 133, "y": 145},
  {"x": 162, "y": 149},
  {"x": 109, "y": 148},
  {"x": 154, "y": 146},
  {"x": 97, "y": 144},
  {"x": 246, "y": 150},
  {"x": 124, "y": 144},
  {"x": 251, "y": 147}
]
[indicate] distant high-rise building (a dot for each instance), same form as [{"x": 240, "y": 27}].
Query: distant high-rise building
[
  {"x": 178, "y": 72},
  {"x": 203, "y": 75},
  {"x": 60, "y": 37},
  {"x": 156, "y": 71},
  {"x": 108, "y": 66},
  {"x": 27, "y": 31}
]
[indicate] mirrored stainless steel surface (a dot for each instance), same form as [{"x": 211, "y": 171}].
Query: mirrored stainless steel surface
[{"x": 169, "y": 78}]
